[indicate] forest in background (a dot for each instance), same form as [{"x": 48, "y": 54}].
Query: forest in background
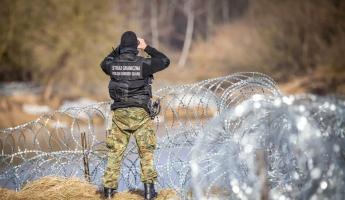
[{"x": 60, "y": 43}]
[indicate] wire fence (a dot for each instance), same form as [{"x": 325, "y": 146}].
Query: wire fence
[{"x": 202, "y": 132}]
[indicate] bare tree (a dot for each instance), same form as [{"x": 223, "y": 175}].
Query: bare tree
[
  {"x": 166, "y": 13},
  {"x": 9, "y": 29},
  {"x": 154, "y": 23},
  {"x": 225, "y": 10},
  {"x": 209, "y": 18},
  {"x": 188, "y": 10}
]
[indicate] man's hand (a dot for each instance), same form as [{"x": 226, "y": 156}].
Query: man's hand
[{"x": 142, "y": 43}]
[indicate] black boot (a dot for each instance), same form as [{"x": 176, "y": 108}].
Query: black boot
[
  {"x": 150, "y": 192},
  {"x": 109, "y": 192}
]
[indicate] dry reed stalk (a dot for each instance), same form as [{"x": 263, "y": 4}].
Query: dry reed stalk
[
  {"x": 60, "y": 188},
  {"x": 85, "y": 157}
]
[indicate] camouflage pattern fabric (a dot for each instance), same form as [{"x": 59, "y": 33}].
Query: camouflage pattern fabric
[{"x": 126, "y": 122}]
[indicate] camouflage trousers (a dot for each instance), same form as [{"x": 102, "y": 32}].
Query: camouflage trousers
[{"x": 126, "y": 122}]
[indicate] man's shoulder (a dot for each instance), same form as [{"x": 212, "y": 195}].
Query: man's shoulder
[{"x": 144, "y": 60}]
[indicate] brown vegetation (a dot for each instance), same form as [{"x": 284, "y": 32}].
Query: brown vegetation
[
  {"x": 321, "y": 81},
  {"x": 60, "y": 43},
  {"x": 72, "y": 188},
  {"x": 285, "y": 39},
  {"x": 57, "y": 42}
]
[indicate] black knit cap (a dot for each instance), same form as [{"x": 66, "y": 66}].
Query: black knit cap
[{"x": 129, "y": 39}]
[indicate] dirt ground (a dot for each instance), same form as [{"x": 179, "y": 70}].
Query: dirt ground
[{"x": 73, "y": 189}]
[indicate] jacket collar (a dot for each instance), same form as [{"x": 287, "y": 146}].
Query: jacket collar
[{"x": 129, "y": 50}]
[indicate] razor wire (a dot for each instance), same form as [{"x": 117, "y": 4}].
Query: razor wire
[
  {"x": 211, "y": 138},
  {"x": 288, "y": 147},
  {"x": 51, "y": 145}
]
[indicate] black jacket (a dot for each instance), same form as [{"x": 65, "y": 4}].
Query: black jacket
[{"x": 127, "y": 90}]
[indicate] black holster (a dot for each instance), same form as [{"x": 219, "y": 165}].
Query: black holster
[{"x": 154, "y": 108}]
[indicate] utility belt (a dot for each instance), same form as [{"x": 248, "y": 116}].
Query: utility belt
[{"x": 152, "y": 107}]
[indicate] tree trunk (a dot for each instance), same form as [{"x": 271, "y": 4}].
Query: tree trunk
[
  {"x": 9, "y": 34},
  {"x": 154, "y": 23},
  {"x": 225, "y": 11},
  {"x": 209, "y": 18},
  {"x": 189, "y": 33}
]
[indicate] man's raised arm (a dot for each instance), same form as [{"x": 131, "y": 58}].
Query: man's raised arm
[{"x": 158, "y": 60}]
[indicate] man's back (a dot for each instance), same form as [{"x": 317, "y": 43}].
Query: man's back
[{"x": 131, "y": 75}]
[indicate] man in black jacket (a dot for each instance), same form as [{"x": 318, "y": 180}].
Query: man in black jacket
[{"x": 130, "y": 88}]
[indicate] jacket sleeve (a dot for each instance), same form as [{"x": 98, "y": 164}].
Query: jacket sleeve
[
  {"x": 106, "y": 63},
  {"x": 157, "y": 62}
]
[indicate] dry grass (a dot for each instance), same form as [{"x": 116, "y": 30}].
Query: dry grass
[
  {"x": 233, "y": 48},
  {"x": 321, "y": 81},
  {"x": 72, "y": 188}
]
